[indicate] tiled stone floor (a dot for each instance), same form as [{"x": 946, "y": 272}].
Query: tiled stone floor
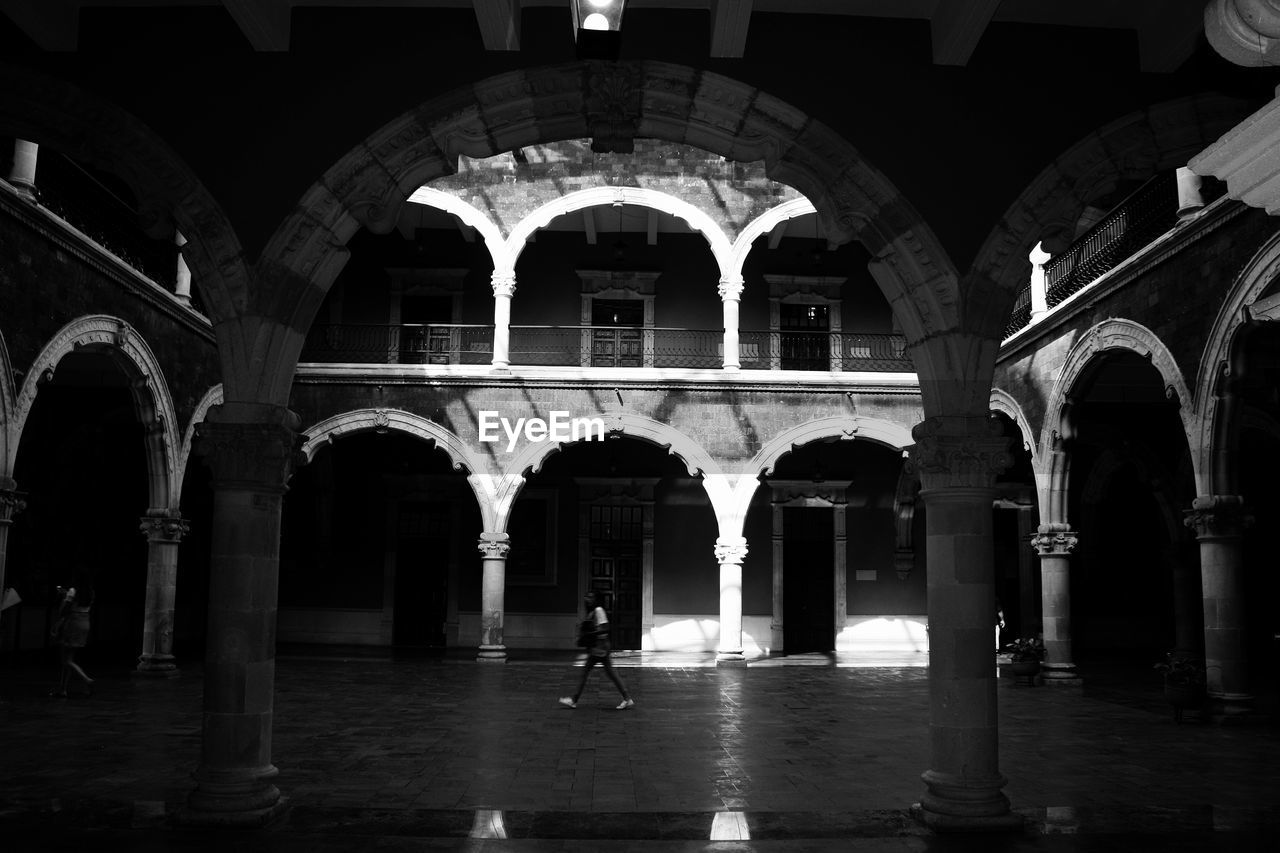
[{"x": 447, "y": 754}]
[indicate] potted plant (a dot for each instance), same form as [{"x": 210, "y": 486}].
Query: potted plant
[
  {"x": 1025, "y": 654},
  {"x": 1184, "y": 682}
]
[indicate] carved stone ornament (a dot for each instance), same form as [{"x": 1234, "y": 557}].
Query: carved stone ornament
[
  {"x": 494, "y": 546},
  {"x": 1217, "y": 516},
  {"x": 612, "y": 103},
  {"x": 959, "y": 452},
  {"x": 1055, "y": 543},
  {"x": 162, "y": 528},
  {"x": 733, "y": 551},
  {"x": 11, "y": 500},
  {"x": 249, "y": 455}
]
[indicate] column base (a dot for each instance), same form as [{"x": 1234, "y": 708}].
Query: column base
[
  {"x": 731, "y": 659},
  {"x": 954, "y": 805},
  {"x": 1230, "y": 707},
  {"x": 233, "y": 798},
  {"x": 1060, "y": 675},
  {"x": 492, "y": 654},
  {"x": 157, "y": 666}
]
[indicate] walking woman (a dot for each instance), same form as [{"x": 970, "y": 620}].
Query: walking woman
[
  {"x": 595, "y": 636},
  {"x": 71, "y": 631}
]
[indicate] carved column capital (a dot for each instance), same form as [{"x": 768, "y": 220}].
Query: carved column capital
[
  {"x": 1217, "y": 516},
  {"x": 504, "y": 284},
  {"x": 1054, "y": 543},
  {"x": 730, "y": 288},
  {"x": 731, "y": 549},
  {"x": 251, "y": 454},
  {"x": 12, "y": 501},
  {"x": 959, "y": 451},
  {"x": 164, "y": 528},
  {"x": 494, "y": 546}
]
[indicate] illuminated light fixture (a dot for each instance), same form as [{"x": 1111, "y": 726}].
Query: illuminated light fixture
[{"x": 597, "y": 27}]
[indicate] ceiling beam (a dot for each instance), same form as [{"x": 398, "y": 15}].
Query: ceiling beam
[
  {"x": 265, "y": 23},
  {"x": 52, "y": 24},
  {"x": 957, "y": 27},
  {"x": 499, "y": 23},
  {"x": 729, "y": 22}
]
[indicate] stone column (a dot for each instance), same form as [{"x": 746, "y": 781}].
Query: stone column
[
  {"x": 1219, "y": 521},
  {"x": 11, "y": 503},
  {"x": 730, "y": 552},
  {"x": 777, "y": 626},
  {"x": 1054, "y": 543},
  {"x": 958, "y": 459},
  {"x": 504, "y": 287},
  {"x": 23, "y": 173},
  {"x": 163, "y": 531},
  {"x": 1039, "y": 286},
  {"x": 250, "y": 449},
  {"x": 494, "y": 548},
  {"x": 730, "y": 295},
  {"x": 182, "y": 279}
]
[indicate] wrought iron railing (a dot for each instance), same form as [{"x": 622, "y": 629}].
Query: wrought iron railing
[
  {"x": 76, "y": 196},
  {"x": 605, "y": 346},
  {"x": 1148, "y": 212}
]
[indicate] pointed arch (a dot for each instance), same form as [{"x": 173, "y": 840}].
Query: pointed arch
[
  {"x": 397, "y": 420},
  {"x": 211, "y": 398},
  {"x": 8, "y": 405},
  {"x": 152, "y": 401}
]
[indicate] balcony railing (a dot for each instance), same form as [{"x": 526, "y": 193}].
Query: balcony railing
[
  {"x": 1134, "y": 223},
  {"x": 605, "y": 346}
]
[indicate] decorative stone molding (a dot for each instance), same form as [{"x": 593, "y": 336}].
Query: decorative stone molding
[
  {"x": 504, "y": 285},
  {"x": 1244, "y": 32},
  {"x": 730, "y": 289},
  {"x": 164, "y": 528},
  {"x": 1049, "y": 542},
  {"x": 1217, "y": 516},
  {"x": 258, "y": 456},
  {"x": 731, "y": 550},
  {"x": 12, "y": 501},
  {"x": 612, "y": 103},
  {"x": 959, "y": 452},
  {"x": 494, "y": 546}
]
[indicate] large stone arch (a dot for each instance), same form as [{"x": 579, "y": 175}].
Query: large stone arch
[
  {"x": 1161, "y": 137},
  {"x": 592, "y": 99},
  {"x": 152, "y": 401},
  {"x": 55, "y": 113},
  {"x": 845, "y": 428},
  {"x": 8, "y": 405},
  {"x": 697, "y": 461},
  {"x": 1116, "y": 334},
  {"x": 637, "y": 196},
  {"x": 398, "y": 420},
  {"x": 1215, "y": 421}
]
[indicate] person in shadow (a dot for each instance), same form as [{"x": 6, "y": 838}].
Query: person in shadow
[
  {"x": 594, "y": 635},
  {"x": 71, "y": 630}
]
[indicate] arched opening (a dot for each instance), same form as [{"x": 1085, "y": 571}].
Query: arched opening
[
  {"x": 83, "y": 453},
  {"x": 377, "y": 546},
  {"x": 1016, "y": 515}
]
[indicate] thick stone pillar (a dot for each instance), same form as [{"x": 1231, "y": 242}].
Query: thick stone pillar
[
  {"x": 11, "y": 503},
  {"x": 1219, "y": 521},
  {"x": 730, "y": 552},
  {"x": 730, "y": 295},
  {"x": 23, "y": 173},
  {"x": 251, "y": 451},
  {"x": 504, "y": 287},
  {"x": 958, "y": 459},
  {"x": 1054, "y": 543},
  {"x": 182, "y": 278},
  {"x": 494, "y": 548},
  {"x": 164, "y": 531}
]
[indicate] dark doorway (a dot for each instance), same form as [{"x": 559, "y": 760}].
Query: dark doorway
[
  {"x": 425, "y": 330},
  {"x": 808, "y": 579},
  {"x": 616, "y": 569},
  {"x": 806, "y": 343},
  {"x": 618, "y": 344},
  {"x": 422, "y": 574}
]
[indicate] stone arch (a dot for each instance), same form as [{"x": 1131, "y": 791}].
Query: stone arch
[
  {"x": 41, "y": 109},
  {"x": 212, "y": 397},
  {"x": 1214, "y": 421},
  {"x": 846, "y": 428},
  {"x": 763, "y": 224},
  {"x": 398, "y": 420},
  {"x": 152, "y": 401},
  {"x": 697, "y": 461},
  {"x": 472, "y": 216},
  {"x": 8, "y": 405},
  {"x": 586, "y": 99},
  {"x": 1005, "y": 403},
  {"x": 1161, "y": 137},
  {"x": 637, "y": 196}
]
